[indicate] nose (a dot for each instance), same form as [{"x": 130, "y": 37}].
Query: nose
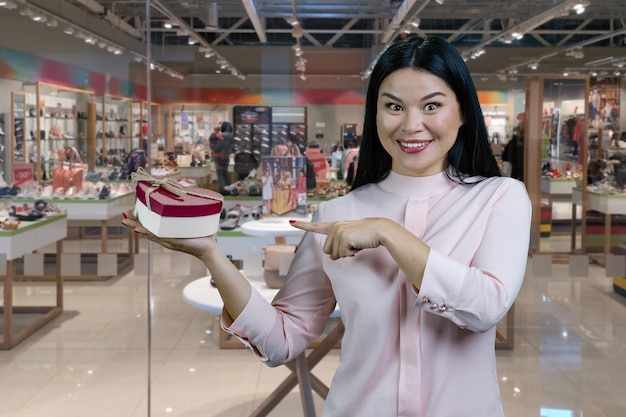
[{"x": 413, "y": 121}]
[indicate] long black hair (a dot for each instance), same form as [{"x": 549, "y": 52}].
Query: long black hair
[{"x": 471, "y": 153}]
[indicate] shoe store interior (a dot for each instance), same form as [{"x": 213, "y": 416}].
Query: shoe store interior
[{"x": 108, "y": 105}]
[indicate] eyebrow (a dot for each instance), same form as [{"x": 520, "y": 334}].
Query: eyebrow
[{"x": 426, "y": 97}]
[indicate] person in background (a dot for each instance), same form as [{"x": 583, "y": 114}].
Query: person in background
[
  {"x": 221, "y": 155},
  {"x": 267, "y": 192},
  {"x": 352, "y": 171},
  {"x": 414, "y": 255},
  {"x": 596, "y": 171},
  {"x": 215, "y": 136},
  {"x": 513, "y": 154}
]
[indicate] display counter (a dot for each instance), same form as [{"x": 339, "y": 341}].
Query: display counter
[
  {"x": 99, "y": 213},
  {"x": 201, "y": 174},
  {"x": 607, "y": 204},
  {"x": 26, "y": 239}
]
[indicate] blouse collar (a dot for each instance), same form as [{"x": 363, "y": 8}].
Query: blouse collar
[{"x": 429, "y": 186}]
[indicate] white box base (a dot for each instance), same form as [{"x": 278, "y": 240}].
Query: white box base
[{"x": 176, "y": 227}]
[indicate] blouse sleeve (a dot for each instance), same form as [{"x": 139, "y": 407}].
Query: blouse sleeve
[
  {"x": 477, "y": 297},
  {"x": 279, "y": 332}
]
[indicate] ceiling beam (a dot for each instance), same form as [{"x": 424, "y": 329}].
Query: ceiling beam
[
  {"x": 342, "y": 32},
  {"x": 255, "y": 20},
  {"x": 396, "y": 22}
]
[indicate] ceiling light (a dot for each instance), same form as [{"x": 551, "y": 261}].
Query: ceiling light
[
  {"x": 27, "y": 12},
  {"x": 52, "y": 23},
  {"x": 293, "y": 21},
  {"x": 576, "y": 53},
  {"x": 191, "y": 41},
  {"x": 167, "y": 24},
  {"x": 297, "y": 31},
  {"x": 579, "y": 8},
  {"x": 415, "y": 23},
  {"x": 439, "y": 1},
  {"x": 69, "y": 30}
]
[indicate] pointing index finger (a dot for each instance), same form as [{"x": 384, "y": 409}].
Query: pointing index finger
[{"x": 317, "y": 227}]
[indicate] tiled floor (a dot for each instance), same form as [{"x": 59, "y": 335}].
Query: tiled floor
[{"x": 569, "y": 358}]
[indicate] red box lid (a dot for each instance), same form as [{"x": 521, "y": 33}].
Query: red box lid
[{"x": 168, "y": 204}]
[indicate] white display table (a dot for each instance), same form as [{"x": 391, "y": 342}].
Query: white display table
[
  {"x": 255, "y": 235},
  {"x": 557, "y": 186},
  {"x": 201, "y": 174},
  {"x": 29, "y": 237},
  {"x": 276, "y": 227},
  {"x": 604, "y": 203},
  {"x": 81, "y": 213},
  {"x": 201, "y": 294}
]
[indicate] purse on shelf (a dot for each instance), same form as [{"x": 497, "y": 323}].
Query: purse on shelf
[{"x": 70, "y": 171}]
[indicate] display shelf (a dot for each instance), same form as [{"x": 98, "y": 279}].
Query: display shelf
[
  {"x": 142, "y": 113},
  {"x": 192, "y": 124},
  {"x": 30, "y": 237},
  {"x": 16, "y": 146},
  {"x": 499, "y": 121},
  {"x": 115, "y": 137},
  {"x": 270, "y": 131},
  {"x": 4, "y": 149},
  {"x": 55, "y": 118}
]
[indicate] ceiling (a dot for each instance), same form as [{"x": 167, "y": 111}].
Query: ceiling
[{"x": 554, "y": 35}]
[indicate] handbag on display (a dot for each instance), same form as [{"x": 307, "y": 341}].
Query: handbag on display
[{"x": 70, "y": 173}]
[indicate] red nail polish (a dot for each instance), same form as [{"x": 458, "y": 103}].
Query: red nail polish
[
  {"x": 292, "y": 221},
  {"x": 124, "y": 214}
]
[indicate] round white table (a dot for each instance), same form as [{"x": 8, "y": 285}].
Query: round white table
[
  {"x": 278, "y": 227},
  {"x": 202, "y": 295}
]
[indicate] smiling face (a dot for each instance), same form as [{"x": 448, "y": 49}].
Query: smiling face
[{"x": 418, "y": 119}]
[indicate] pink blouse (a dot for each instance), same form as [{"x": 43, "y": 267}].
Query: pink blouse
[{"x": 430, "y": 354}]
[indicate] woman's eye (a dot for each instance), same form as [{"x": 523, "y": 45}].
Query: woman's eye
[
  {"x": 394, "y": 107},
  {"x": 431, "y": 107}
]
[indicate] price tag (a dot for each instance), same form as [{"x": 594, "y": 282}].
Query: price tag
[{"x": 23, "y": 173}]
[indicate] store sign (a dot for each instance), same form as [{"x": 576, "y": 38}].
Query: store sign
[{"x": 23, "y": 173}]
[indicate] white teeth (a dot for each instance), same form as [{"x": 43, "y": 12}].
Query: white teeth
[{"x": 414, "y": 144}]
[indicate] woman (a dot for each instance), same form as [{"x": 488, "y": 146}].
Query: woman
[
  {"x": 222, "y": 148},
  {"x": 424, "y": 256},
  {"x": 267, "y": 182}
]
